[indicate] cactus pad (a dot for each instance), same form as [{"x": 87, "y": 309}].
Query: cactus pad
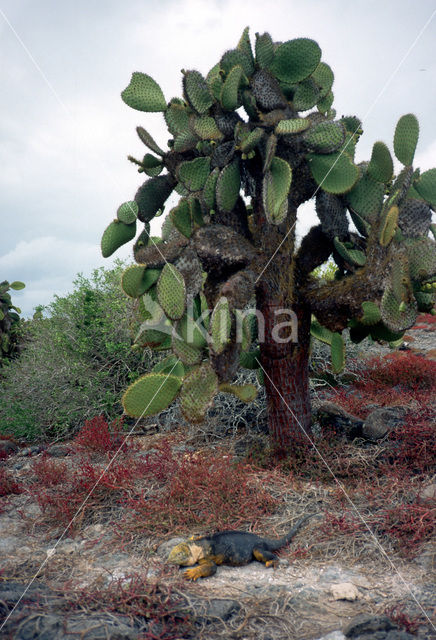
[
  {"x": 422, "y": 258},
  {"x": 397, "y": 315},
  {"x": 170, "y": 365},
  {"x": 264, "y": 48},
  {"x": 426, "y": 186},
  {"x": 306, "y": 95},
  {"x": 244, "y": 392},
  {"x": 235, "y": 57},
  {"x": 250, "y": 359},
  {"x": 171, "y": 292},
  {"x": 181, "y": 218},
  {"x": 366, "y": 197},
  {"x": 371, "y": 313},
  {"x": 332, "y": 214},
  {"x": 337, "y": 352},
  {"x": 414, "y": 218},
  {"x": 266, "y": 91},
  {"x": 334, "y": 172},
  {"x": 194, "y": 173},
  {"x": 230, "y": 91},
  {"x": 177, "y": 118},
  {"x": 149, "y": 142},
  {"x": 320, "y": 333},
  {"x": 275, "y": 190},
  {"x": 187, "y": 353},
  {"x": 249, "y": 330},
  {"x": 295, "y": 60},
  {"x": 17, "y": 285},
  {"x": 152, "y": 195},
  {"x": 136, "y": 280},
  {"x": 251, "y": 140},
  {"x": 197, "y": 92},
  {"x": 406, "y": 138},
  {"x": 186, "y": 141},
  {"x": 350, "y": 255},
  {"x": 362, "y": 226},
  {"x": 244, "y": 45},
  {"x": 190, "y": 267},
  {"x": 380, "y": 332},
  {"x": 324, "y": 77},
  {"x": 425, "y": 301},
  {"x": 294, "y": 125},
  {"x": 220, "y": 325},
  {"x": 401, "y": 186},
  {"x": 151, "y": 165},
  {"x": 381, "y": 166},
  {"x": 197, "y": 393},
  {"x": 324, "y": 105},
  {"x": 151, "y": 394},
  {"x": 228, "y": 186},
  {"x": 115, "y": 235},
  {"x": 270, "y": 150},
  {"x": 389, "y": 225},
  {"x": 209, "y": 189},
  {"x": 127, "y": 212},
  {"x": 206, "y": 128},
  {"x": 191, "y": 332},
  {"x": 144, "y": 94},
  {"x": 325, "y": 137}
]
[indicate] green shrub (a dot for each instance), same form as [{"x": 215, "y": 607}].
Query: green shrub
[{"x": 75, "y": 362}]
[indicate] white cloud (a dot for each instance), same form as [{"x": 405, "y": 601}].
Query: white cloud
[
  {"x": 47, "y": 265},
  {"x": 426, "y": 159},
  {"x": 63, "y": 175}
]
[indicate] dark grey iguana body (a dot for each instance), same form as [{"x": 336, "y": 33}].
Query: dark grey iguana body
[{"x": 234, "y": 548}]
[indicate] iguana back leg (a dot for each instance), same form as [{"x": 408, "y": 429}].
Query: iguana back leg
[
  {"x": 203, "y": 570},
  {"x": 265, "y": 556}
]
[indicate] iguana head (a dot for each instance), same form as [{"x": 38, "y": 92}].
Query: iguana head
[{"x": 185, "y": 554}]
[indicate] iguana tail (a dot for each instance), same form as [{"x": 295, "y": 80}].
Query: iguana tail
[{"x": 273, "y": 545}]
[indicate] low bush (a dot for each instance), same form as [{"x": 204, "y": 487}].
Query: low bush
[{"x": 75, "y": 363}]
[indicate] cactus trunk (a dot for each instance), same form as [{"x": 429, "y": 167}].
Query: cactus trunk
[{"x": 286, "y": 377}]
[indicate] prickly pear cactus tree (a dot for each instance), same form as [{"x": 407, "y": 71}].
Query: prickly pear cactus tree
[
  {"x": 249, "y": 143},
  {"x": 9, "y": 321}
]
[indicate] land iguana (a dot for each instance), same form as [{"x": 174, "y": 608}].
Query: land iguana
[{"x": 234, "y": 548}]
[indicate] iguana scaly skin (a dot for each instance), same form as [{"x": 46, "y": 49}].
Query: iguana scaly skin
[{"x": 234, "y": 548}]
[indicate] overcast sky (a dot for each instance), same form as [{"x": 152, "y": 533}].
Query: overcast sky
[{"x": 65, "y": 132}]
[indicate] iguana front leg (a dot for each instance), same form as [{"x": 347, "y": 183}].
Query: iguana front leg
[
  {"x": 265, "y": 556},
  {"x": 204, "y": 569}
]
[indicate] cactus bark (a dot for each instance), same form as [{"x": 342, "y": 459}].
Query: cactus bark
[{"x": 286, "y": 378}]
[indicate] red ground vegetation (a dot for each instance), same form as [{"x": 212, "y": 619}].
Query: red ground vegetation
[
  {"x": 426, "y": 319},
  {"x": 199, "y": 490},
  {"x": 397, "y": 378},
  {"x": 8, "y": 485},
  {"x": 160, "y": 492},
  {"x": 140, "y": 599}
]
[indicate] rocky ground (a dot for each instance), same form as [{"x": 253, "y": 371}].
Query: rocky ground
[{"x": 327, "y": 594}]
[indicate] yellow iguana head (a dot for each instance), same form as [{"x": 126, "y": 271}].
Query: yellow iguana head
[{"x": 185, "y": 554}]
